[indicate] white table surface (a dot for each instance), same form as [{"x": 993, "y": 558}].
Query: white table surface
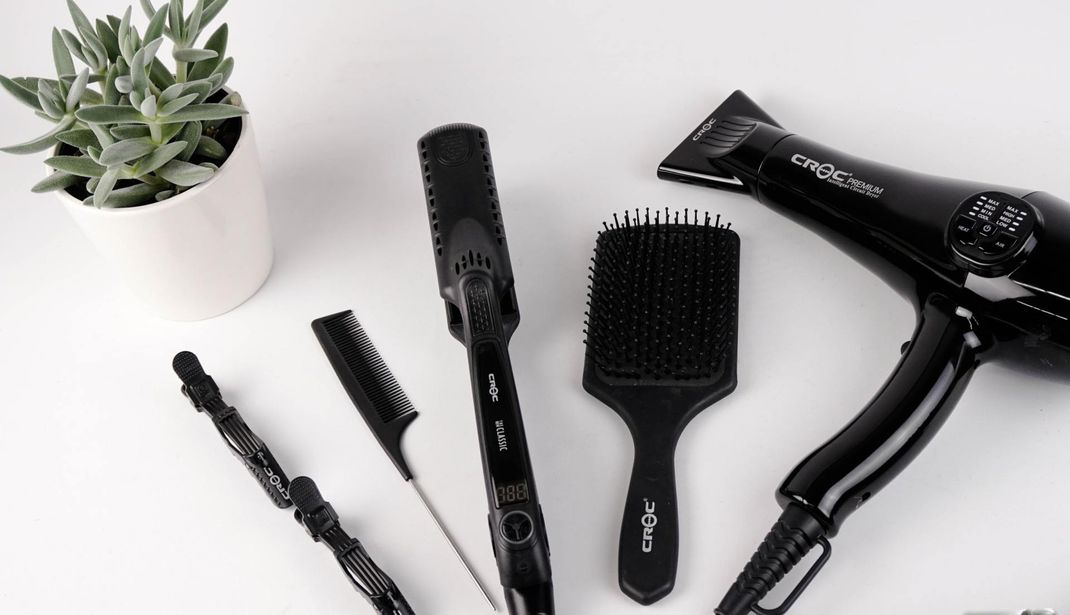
[{"x": 120, "y": 499}]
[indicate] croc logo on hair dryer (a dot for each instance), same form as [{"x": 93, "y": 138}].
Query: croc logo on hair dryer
[{"x": 987, "y": 269}]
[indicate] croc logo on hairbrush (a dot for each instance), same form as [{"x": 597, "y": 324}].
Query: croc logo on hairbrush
[{"x": 649, "y": 522}]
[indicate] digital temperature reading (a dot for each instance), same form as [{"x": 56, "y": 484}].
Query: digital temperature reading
[{"x": 512, "y": 493}]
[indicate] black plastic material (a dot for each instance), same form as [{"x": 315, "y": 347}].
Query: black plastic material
[
  {"x": 844, "y": 473},
  {"x": 364, "y": 375},
  {"x": 661, "y": 347},
  {"x": 793, "y": 536},
  {"x": 317, "y": 516},
  {"x": 1009, "y": 302},
  {"x": 322, "y": 524},
  {"x": 204, "y": 394},
  {"x": 476, "y": 281}
]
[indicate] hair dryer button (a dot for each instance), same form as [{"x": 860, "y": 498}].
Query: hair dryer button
[
  {"x": 987, "y": 229},
  {"x": 964, "y": 230},
  {"x": 1000, "y": 245}
]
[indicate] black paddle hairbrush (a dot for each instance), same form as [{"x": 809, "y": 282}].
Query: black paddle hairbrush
[{"x": 661, "y": 347}]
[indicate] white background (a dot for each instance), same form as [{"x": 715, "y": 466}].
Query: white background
[{"x": 120, "y": 499}]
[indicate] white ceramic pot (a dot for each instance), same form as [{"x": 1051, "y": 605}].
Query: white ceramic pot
[{"x": 196, "y": 255}]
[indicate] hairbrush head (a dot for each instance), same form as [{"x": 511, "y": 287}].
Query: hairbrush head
[
  {"x": 663, "y": 299},
  {"x": 661, "y": 347}
]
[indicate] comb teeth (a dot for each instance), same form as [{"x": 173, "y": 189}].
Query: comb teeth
[
  {"x": 305, "y": 494},
  {"x": 662, "y": 299},
  {"x": 363, "y": 360},
  {"x": 187, "y": 366}
]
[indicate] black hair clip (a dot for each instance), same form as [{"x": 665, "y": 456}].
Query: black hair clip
[
  {"x": 318, "y": 516},
  {"x": 203, "y": 393},
  {"x": 321, "y": 522}
]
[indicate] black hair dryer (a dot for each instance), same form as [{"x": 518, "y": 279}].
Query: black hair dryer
[{"x": 987, "y": 268}]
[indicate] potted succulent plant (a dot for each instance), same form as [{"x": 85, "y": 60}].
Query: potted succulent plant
[{"x": 157, "y": 166}]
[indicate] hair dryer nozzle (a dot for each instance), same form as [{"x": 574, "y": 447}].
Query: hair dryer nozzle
[{"x": 726, "y": 149}]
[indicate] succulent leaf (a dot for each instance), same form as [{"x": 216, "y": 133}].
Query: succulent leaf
[
  {"x": 159, "y": 157},
  {"x": 224, "y": 70},
  {"x": 204, "y": 112},
  {"x": 174, "y": 20},
  {"x": 126, "y": 151},
  {"x": 80, "y": 138},
  {"x": 148, "y": 107},
  {"x": 217, "y": 43},
  {"x": 61, "y": 55},
  {"x": 73, "y": 45},
  {"x": 155, "y": 29},
  {"x": 43, "y": 142},
  {"x": 56, "y": 181},
  {"x": 177, "y": 105},
  {"x": 22, "y": 94},
  {"x": 109, "y": 38},
  {"x": 130, "y": 131},
  {"x": 105, "y": 186},
  {"x": 146, "y": 6},
  {"x": 78, "y": 89},
  {"x": 210, "y": 148},
  {"x": 104, "y": 138},
  {"x": 193, "y": 55},
  {"x": 50, "y": 102},
  {"x": 111, "y": 92},
  {"x": 80, "y": 20},
  {"x": 123, "y": 34},
  {"x": 211, "y": 9},
  {"x": 191, "y": 134},
  {"x": 76, "y": 165},
  {"x": 138, "y": 194},
  {"x": 193, "y": 24},
  {"x": 100, "y": 53},
  {"x": 160, "y": 75},
  {"x": 170, "y": 93},
  {"x": 124, "y": 84},
  {"x": 201, "y": 87},
  {"x": 184, "y": 174},
  {"x": 110, "y": 114}
]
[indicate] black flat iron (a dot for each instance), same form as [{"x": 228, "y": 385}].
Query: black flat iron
[{"x": 986, "y": 267}]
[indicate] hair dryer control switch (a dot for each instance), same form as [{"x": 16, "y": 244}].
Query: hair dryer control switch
[{"x": 992, "y": 233}]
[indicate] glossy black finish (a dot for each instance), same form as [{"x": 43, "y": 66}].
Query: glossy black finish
[
  {"x": 1009, "y": 301},
  {"x": 907, "y": 412},
  {"x": 476, "y": 281}
]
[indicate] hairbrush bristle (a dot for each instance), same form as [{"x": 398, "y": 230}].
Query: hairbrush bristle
[
  {"x": 663, "y": 297},
  {"x": 187, "y": 366},
  {"x": 305, "y": 494}
]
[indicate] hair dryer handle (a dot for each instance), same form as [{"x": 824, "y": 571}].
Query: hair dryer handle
[{"x": 836, "y": 479}]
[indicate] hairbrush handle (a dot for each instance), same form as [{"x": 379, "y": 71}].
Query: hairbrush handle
[{"x": 650, "y": 531}]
